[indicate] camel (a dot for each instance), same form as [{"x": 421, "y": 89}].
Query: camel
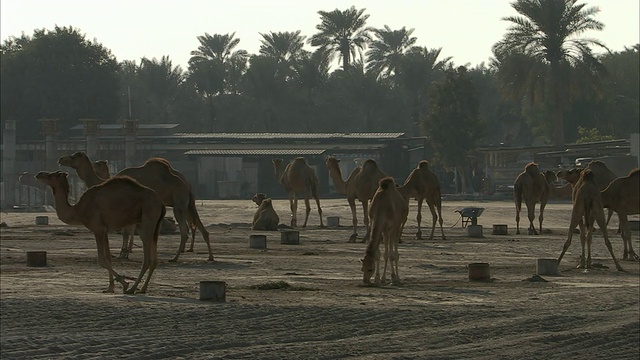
[
  {"x": 361, "y": 184},
  {"x": 623, "y": 196},
  {"x": 533, "y": 187},
  {"x": 298, "y": 178},
  {"x": 114, "y": 204},
  {"x": 265, "y": 217},
  {"x": 423, "y": 184},
  {"x": 587, "y": 204},
  {"x": 557, "y": 192},
  {"x": 388, "y": 212},
  {"x": 157, "y": 175},
  {"x": 101, "y": 168}
]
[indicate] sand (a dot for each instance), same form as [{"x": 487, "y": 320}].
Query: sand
[{"x": 59, "y": 311}]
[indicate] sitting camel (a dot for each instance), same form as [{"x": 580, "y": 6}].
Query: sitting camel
[
  {"x": 298, "y": 178},
  {"x": 158, "y": 176},
  {"x": 361, "y": 184},
  {"x": 388, "y": 212},
  {"x": 265, "y": 217},
  {"x": 423, "y": 184},
  {"x": 557, "y": 192},
  {"x": 112, "y": 205},
  {"x": 587, "y": 204},
  {"x": 533, "y": 187},
  {"x": 623, "y": 196}
]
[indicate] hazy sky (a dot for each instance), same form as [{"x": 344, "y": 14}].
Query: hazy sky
[{"x": 464, "y": 29}]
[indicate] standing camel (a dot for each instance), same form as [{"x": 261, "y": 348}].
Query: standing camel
[
  {"x": 533, "y": 187},
  {"x": 157, "y": 175},
  {"x": 587, "y": 204},
  {"x": 361, "y": 184},
  {"x": 388, "y": 213},
  {"x": 623, "y": 196},
  {"x": 423, "y": 184},
  {"x": 557, "y": 192},
  {"x": 298, "y": 178},
  {"x": 112, "y": 205}
]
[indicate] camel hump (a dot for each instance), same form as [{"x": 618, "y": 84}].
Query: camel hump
[
  {"x": 424, "y": 164},
  {"x": 531, "y": 168},
  {"x": 635, "y": 172},
  {"x": 387, "y": 182},
  {"x": 370, "y": 164},
  {"x": 300, "y": 160}
]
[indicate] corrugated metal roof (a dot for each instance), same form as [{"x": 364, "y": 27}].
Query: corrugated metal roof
[
  {"x": 119, "y": 126},
  {"x": 249, "y": 152},
  {"x": 289, "y": 135}
]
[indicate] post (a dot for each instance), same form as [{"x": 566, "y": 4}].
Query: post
[
  {"x": 50, "y": 132},
  {"x": 9, "y": 175},
  {"x": 91, "y": 127},
  {"x": 130, "y": 131}
]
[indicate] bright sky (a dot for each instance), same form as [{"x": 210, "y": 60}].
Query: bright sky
[{"x": 464, "y": 29}]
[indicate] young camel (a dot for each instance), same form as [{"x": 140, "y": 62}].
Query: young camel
[
  {"x": 587, "y": 204},
  {"x": 623, "y": 196},
  {"x": 423, "y": 184},
  {"x": 298, "y": 178},
  {"x": 388, "y": 213},
  {"x": 533, "y": 187},
  {"x": 361, "y": 184},
  {"x": 101, "y": 168},
  {"x": 115, "y": 204},
  {"x": 157, "y": 175},
  {"x": 265, "y": 217}
]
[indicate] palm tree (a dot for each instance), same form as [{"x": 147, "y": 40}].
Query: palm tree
[
  {"x": 386, "y": 51},
  {"x": 282, "y": 46},
  {"x": 417, "y": 70},
  {"x": 311, "y": 72},
  {"x": 160, "y": 81},
  {"x": 342, "y": 32},
  {"x": 543, "y": 59}
]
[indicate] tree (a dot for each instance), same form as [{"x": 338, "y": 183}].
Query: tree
[
  {"x": 311, "y": 72},
  {"x": 418, "y": 69},
  {"x": 453, "y": 123},
  {"x": 56, "y": 74},
  {"x": 285, "y": 47},
  {"x": 342, "y": 32},
  {"x": 543, "y": 58},
  {"x": 159, "y": 82},
  {"x": 387, "y": 49}
]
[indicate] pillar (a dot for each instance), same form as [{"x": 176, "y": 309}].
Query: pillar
[
  {"x": 50, "y": 132},
  {"x": 91, "y": 127},
  {"x": 130, "y": 131},
  {"x": 9, "y": 176}
]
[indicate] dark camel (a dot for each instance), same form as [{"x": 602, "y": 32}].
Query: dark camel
[{"x": 531, "y": 186}]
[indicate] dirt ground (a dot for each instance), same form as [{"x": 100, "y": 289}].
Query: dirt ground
[{"x": 59, "y": 311}]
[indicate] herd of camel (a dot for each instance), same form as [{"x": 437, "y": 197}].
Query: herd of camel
[{"x": 134, "y": 201}]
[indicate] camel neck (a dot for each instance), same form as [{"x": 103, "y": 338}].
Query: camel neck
[
  {"x": 65, "y": 211},
  {"x": 338, "y": 182},
  {"x": 88, "y": 175}
]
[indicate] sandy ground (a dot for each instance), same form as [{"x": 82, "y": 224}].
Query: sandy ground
[{"x": 59, "y": 311}]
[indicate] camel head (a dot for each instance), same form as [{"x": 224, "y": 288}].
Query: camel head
[
  {"x": 258, "y": 198},
  {"x": 330, "y": 160},
  {"x": 368, "y": 268},
  {"x": 74, "y": 160},
  {"x": 56, "y": 180},
  {"x": 570, "y": 175},
  {"x": 550, "y": 176},
  {"x": 101, "y": 168}
]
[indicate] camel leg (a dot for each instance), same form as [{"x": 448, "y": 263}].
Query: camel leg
[
  {"x": 541, "y": 217},
  {"x": 153, "y": 262},
  {"x": 127, "y": 238},
  {"x": 439, "y": 208},
  {"x": 146, "y": 259},
  {"x": 377, "y": 276},
  {"x": 104, "y": 260},
  {"x": 205, "y": 233},
  {"x": 583, "y": 242},
  {"x": 531, "y": 214},
  {"x": 419, "y": 219},
  {"x": 319, "y": 210},
  {"x": 179, "y": 214},
  {"x": 293, "y": 204},
  {"x": 365, "y": 210},
  {"x": 434, "y": 219},
  {"x": 576, "y": 218},
  {"x": 307, "y": 210},
  {"x": 518, "y": 207},
  {"x": 352, "y": 205},
  {"x": 192, "y": 230},
  {"x": 603, "y": 227},
  {"x": 385, "y": 240},
  {"x": 625, "y": 232},
  {"x": 395, "y": 274}
]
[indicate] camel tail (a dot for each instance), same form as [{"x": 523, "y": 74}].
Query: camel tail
[
  {"x": 193, "y": 212},
  {"x": 156, "y": 233}
]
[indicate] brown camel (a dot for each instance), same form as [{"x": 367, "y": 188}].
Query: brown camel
[
  {"x": 623, "y": 196},
  {"x": 557, "y": 192},
  {"x": 101, "y": 168},
  {"x": 117, "y": 203},
  {"x": 361, "y": 184},
  {"x": 265, "y": 217},
  {"x": 298, "y": 178},
  {"x": 533, "y": 187},
  {"x": 157, "y": 175},
  {"x": 388, "y": 212},
  {"x": 423, "y": 184},
  {"x": 587, "y": 205}
]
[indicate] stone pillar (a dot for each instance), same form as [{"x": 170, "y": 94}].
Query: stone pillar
[
  {"x": 130, "y": 131},
  {"x": 91, "y": 127},
  {"x": 50, "y": 132},
  {"x": 9, "y": 176}
]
